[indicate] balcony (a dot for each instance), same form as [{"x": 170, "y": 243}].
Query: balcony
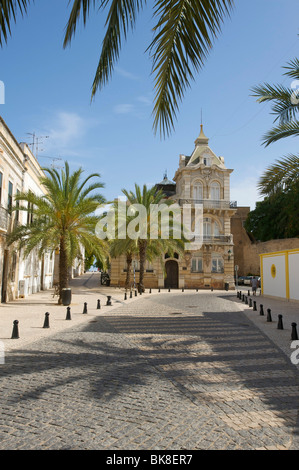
[
  {"x": 210, "y": 204},
  {"x": 217, "y": 239}
]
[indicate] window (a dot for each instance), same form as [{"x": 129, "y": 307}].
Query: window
[
  {"x": 29, "y": 213},
  {"x": 18, "y": 205},
  {"x": 215, "y": 191},
  {"x": 198, "y": 191},
  {"x": 207, "y": 227},
  {"x": 217, "y": 264},
  {"x": 9, "y": 204},
  {"x": 197, "y": 264},
  {"x": 1, "y": 179}
]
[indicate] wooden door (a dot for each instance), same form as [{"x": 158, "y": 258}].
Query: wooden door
[{"x": 172, "y": 274}]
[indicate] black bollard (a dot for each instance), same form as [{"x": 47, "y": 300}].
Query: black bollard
[
  {"x": 249, "y": 293},
  {"x": 131, "y": 294},
  {"x": 15, "y": 330},
  {"x": 212, "y": 288},
  {"x": 243, "y": 298},
  {"x": 108, "y": 303},
  {"x": 250, "y": 302},
  {"x": 183, "y": 289},
  {"x": 125, "y": 296},
  {"x": 150, "y": 291},
  {"x": 246, "y": 300},
  {"x": 46, "y": 322},
  {"x": 261, "y": 310},
  {"x": 159, "y": 290},
  {"x": 280, "y": 324},
  {"x": 99, "y": 305},
  {"x": 294, "y": 335},
  {"x": 135, "y": 293},
  {"x": 169, "y": 289},
  {"x": 254, "y": 305},
  {"x": 85, "y": 308},
  {"x": 68, "y": 313},
  {"x": 269, "y": 316}
]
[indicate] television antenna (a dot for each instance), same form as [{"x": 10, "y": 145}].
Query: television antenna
[
  {"x": 36, "y": 142},
  {"x": 54, "y": 159}
]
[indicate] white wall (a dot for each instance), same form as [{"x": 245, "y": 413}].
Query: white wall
[
  {"x": 285, "y": 283},
  {"x": 294, "y": 275},
  {"x": 274, "y": 286}
]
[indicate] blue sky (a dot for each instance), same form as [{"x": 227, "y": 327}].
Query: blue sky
[{"x": 47, "y": 92}]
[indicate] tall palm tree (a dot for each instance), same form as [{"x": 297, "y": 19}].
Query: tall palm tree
[
  {"x": 148, "y": 246},
  {"x": 183, "y": 36},
  {"x": 63, "y": 219}
]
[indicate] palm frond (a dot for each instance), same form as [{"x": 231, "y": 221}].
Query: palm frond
[
  {"x": 184, "y": 35},
  {"x": 8, "y": 12},
  {"x": 282, "y": 174},
  {"x": 288, "y": 129}
]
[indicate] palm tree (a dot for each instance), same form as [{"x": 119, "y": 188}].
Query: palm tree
[
  {"x": 285, "y": 105},
  {"x": 149, "y": 247},
  {"x": 184, "y": 33},
  {"x": 63, "y": 219}
]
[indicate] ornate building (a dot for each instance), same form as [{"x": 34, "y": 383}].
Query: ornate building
[{"x": 201, "y": 179}]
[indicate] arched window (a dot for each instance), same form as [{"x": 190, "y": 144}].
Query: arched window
[
  {"x": 215, "y": 191},
  {"x": 198, "y": 191},
  {"x": 207, "y": 227}
]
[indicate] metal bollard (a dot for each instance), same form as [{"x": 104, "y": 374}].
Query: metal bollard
[
  {"x": 46, "y": 322},
  {"x": 261, "y": 310},
  {"x": 68, "y": 313},
  {"x": 269, "y": 316},
  {"x": 254, "y": 305},
  {"x": 243, "y": 298},
  {"x": 15, "y": 330},
  {"x": 246, "y": 300},
  {"x": 280, "y": 323},
  {"x": 249, "y": 293},
  {"x": 294, "y": 334},
  {"x": 99, "y": 305},
  {"x": 150, "y": 291},
  {"x": 85, "y": 308},
  {"x": 108, "y": 303},
  {"x": 159, "y": 290},
  {"x": 135, "y": 293},
  {"x": 169, "y": 289},
  {"x": 250, "y": 302},
  {"x": 125, "y": 296},
  {"x": 212, "y": 289},
  {"x": 131, "y": 294},
  {"x": 183, "y": 289}
]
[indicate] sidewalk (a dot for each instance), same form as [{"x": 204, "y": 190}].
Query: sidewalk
[{"x": 30, "y": 312}]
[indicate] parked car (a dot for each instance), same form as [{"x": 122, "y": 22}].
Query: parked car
[{"x": 240, "y": 280}]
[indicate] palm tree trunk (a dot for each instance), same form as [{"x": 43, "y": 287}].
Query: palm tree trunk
[
  {"x": 63, "y": 268},
  {"x": 129, "y": 264},
  {"x": 142, "y": 258}
]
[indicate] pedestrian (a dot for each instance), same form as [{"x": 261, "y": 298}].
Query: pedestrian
[{"x": 254, "y": 285}]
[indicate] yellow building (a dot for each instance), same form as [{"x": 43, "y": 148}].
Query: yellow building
[{"x": 201, "y": 179}]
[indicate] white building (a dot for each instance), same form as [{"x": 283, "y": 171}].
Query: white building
[{"x": 19, "y": 172}]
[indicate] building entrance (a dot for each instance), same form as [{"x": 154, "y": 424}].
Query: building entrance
[{"x": 172, "y": 274}]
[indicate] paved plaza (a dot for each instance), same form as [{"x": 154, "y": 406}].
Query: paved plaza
[{"x": 161, "y": 371}]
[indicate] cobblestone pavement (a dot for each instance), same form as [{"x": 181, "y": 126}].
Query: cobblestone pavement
[{"x": 169, "y": 371}]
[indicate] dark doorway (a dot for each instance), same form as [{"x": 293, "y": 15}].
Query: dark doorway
[{"x": 172, "y": 274}]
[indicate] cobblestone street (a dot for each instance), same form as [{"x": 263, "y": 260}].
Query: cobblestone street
[{"x": 168, "y": 371}]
